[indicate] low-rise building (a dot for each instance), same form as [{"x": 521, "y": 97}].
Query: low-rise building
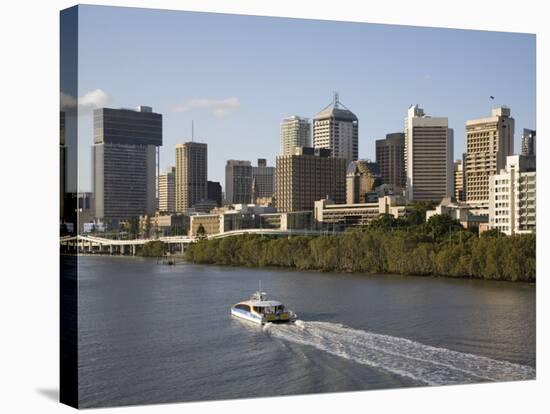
[
  {"x": 159, "y": 225},
  {"x": 212, "y": 223},
  {"x": 295, "y": 220},
  {"x": 327, "y": 213},
  {"x": 462, "y": 212}
]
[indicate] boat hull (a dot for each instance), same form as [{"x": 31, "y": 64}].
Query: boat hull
[{"x": 238, "y": 313}]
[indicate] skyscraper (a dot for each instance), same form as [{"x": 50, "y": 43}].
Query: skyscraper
[
  {"x": 361, "y": 178},
  {"x": 336, "y": 128},
  {"x": 263, "y": 179},
  {"x": 214, "y": 192},
  {"x": 124, "y": 162},
  {"x": 428, "y": 156},
  {"x": 488, "y": 142},
  {"x": 390, "y": 157},
  {"x": 191, "y": 174},
  {"x": 238, "y": 182},
  {"x": 306, "y": 176},
  {"x": 529, "y": 142},
  {"x": 167, "y": 190},
  {"x": 295, "y": 132}
]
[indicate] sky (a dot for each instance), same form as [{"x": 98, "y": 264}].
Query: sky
[{"x": 237, "y": 76}]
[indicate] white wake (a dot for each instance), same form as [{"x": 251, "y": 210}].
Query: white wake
[{"x": 427, "y": 364}]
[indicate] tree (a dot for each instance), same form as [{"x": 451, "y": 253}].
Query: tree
[
  {"x": 492, "y": 233},
  {"x": 133, "y": 227},
  {"x": 417, "y": 215},
  {"x": 153, "y": 248},
  {"x": 385, "y": 222},
  {"x": 148, "y": 227},
  {"x": 201, "y": 232},
  {"x": 440, "y": 225}
]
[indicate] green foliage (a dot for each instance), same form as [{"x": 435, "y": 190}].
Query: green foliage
[
  {"x": 132, "y": 227},
  {"x": 405, "y": 250},
  {"x": 440, "y": 226},
  {"x": 154, "y": 248},
  {"x": 492, "y": 233}
]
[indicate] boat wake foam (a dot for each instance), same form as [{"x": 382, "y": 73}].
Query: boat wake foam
[{"x": 426, "y": 364}]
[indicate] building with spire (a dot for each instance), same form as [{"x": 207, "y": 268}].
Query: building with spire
[{"x": 337, "y": 128}]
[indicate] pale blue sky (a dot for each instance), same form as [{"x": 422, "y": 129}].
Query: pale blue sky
[{"x": 238, "y": 76}]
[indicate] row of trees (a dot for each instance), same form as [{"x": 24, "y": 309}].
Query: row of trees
[{"x": 440, "y": 247}]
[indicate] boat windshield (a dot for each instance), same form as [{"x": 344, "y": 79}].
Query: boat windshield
[{"x": 269, "y": 309}]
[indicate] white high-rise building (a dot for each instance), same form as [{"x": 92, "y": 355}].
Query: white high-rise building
[
  {"x": 295, "y": 132},
  {"x": 513, "y": 196},
  {"x": 337, "y": 128},
  {"x": 428, "y": 156}
]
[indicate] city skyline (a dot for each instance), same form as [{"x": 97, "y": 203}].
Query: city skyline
[{"x": 238, "y": 104}]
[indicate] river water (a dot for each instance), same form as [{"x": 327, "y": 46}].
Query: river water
[{"x": 151, "y": 333}]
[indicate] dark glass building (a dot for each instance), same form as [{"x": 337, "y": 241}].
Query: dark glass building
[
  {"x": 124, "y": 162},
  {"x": 214, "y": 192}
]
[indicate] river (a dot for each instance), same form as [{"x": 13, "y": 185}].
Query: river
[{"x": 151, "y": 333}]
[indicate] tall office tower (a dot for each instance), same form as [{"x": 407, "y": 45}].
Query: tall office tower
[
  {"x": 529, "y": 142},
  {"x": 263, "y": 178},
  {"x": 124, "y": 162},
  {"x": 167, "y": 190},
  {"x": 390, "y": 157},
  {"x": 459, "y": 192},
  {"x": 238, "y": 182},
  {"x": 513, "y": 196},
  {"x": 488, "y": 142},
  {"x": 214, "y": 192},
  {"x": 306, "y": 176},
  {"x": 295, "y": 132},
  {"x": 336, "y": 128},
  {"x": 428, "y": 156},
  {"x": 361, "y": 178},
  {"x": 191, "y": 174}
]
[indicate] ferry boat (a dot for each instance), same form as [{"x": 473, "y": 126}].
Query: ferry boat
[{"x": 260, "y": 310}]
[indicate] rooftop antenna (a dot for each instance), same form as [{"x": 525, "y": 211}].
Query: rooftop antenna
[
  {"x": 192, "y": 131},
  {"x": 336, "y": 99}
]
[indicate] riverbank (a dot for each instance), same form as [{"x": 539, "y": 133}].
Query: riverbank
[{"x": 461, "y": 255}]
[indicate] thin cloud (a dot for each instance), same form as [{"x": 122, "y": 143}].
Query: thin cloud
[
  {"x": 219, "y": 107},
  {"x": 91, "y": 100}
]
